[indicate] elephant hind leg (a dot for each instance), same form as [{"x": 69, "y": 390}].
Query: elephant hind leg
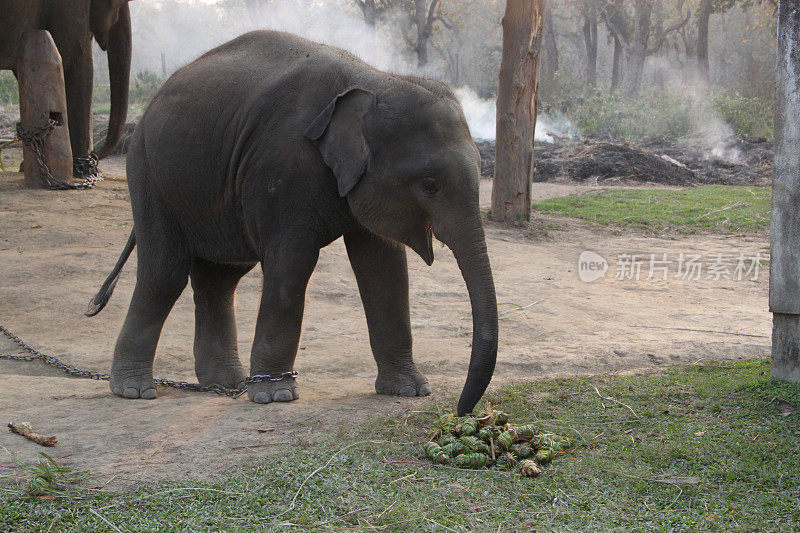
[
  {"x": 158, "y": 286},
  {"x": 215, "y": 350},
  {"x": 162, "y": 273}
]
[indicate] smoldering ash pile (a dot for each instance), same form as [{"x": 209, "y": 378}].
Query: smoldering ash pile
[{"x": 488, "y": 440}]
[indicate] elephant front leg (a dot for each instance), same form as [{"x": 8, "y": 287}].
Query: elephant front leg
[
  {"x": 382, "y": 275},
  {"x": 78, "y": 81},
  {"x": 280, "y": 318}
]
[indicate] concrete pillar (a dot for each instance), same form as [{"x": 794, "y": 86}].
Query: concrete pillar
[{"x": 784, "y": 280}]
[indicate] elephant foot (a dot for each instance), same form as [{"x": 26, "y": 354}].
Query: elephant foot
[
  {"x": 273, "y": 391},
  {"x": 229, "y": 375},
  {"x": 133, "y": 383},
  {"x": 402, "y": 382}
]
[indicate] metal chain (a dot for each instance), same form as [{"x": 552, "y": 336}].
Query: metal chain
[
  {"x": 35, "y": 138},
  {"x": 33, "y": 354},
  {"x": 85, "y": 168}
]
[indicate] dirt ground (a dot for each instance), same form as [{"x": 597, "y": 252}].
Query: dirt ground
[{"x": 57, "y": 247}]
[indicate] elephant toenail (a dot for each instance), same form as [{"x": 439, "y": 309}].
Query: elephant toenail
[
  {"x": 130, "y": 392},
  {"x": 424, "y": 389},
  {"x": 262, "y": 397},
  {"x": 283, "y": 395},
  {"x": 149, "y": 394},
  {"x": 295, "y": 393},
  {"x": 408, "y": 390}
]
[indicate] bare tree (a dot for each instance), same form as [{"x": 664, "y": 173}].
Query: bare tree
[
  {"x": 550, "y": 55},
  {"x": 589, "y": 12},
  {"x": 784, "y": 282},
  {"x": 516, "y": 110},
  {"x": 425, "y": 15},
  {"x": 640, "y": 45},
  {"x": 704, "y": 10},
  {"x": 618, "y": 17},
  {"x": 370, "y": 17},
  {"x": 368, "y": 10}
]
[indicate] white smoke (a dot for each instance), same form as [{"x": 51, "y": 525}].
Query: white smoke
[
  {"x": 182, "y": 30},
  {"x": 714, "y": 134},
  {"x": 178, "y": 31},
  {"x": 481, "y": 116}
]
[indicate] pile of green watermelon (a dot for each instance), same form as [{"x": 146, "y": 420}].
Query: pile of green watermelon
[{"x": 487, "y": 440}]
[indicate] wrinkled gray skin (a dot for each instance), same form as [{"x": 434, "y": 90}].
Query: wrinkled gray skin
[
  {"x": 265, "y": 150},
  {"x": 73, "y": 23}
]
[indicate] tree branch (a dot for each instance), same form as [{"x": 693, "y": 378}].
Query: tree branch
[
  {"x": 431, "y": 18},
  {"x": 616, "y": 30},
  {"x": 362, "y": 6},
  {"x": 663, "y": 36}
]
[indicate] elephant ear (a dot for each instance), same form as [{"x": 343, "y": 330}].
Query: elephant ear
[{"x": 339, "y": 135}]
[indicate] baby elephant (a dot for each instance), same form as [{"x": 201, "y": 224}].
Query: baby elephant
[{"x": 265, "y": 150}]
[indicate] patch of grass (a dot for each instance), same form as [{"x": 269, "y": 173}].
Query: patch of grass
[
  {"x": 9, "y": 93},
  {"x": 710, "y": 208},
  {"x": 617, "y": 115},
  {"x": 747, "y": 116},
  {"x": 47, "y": 477},
  {"x": 695, "y": 448}
]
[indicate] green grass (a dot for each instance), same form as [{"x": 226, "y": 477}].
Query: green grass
[
  {"x": 695, "y": 448},
  {"x": 747, "y": 116},
  {"x": 653, "y": 112},
  {"x": 710, "y": 208}
]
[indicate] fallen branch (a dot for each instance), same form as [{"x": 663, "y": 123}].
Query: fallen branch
[{"x": 30, "y": 433}]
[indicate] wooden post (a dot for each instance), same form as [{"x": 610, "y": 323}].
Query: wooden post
[
  {"x": 516, "y": 110},
  {"x": 784, "y": 282},
  {"x": 42, "y": 97}
]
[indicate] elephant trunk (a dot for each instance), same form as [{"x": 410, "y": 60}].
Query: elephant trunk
[
  {"x": 469, "y": 249},
  {"x": 119, "y": 68}
]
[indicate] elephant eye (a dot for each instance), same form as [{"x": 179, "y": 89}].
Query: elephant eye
[{"x": 429, "y": 186}]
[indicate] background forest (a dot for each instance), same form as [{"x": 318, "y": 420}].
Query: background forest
[{"x": 626, "y": 69}]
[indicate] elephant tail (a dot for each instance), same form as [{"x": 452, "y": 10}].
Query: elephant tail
[{"x": 101, "y": 298}]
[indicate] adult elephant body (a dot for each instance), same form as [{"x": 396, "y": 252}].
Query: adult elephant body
[
  {"x": 265, "y": 150},
  {"x": 73, "y": 23}
]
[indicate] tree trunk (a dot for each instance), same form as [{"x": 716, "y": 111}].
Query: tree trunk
[
  {"x": 618, "y": 19},
  {"x": 703, "y": 16},
  {"x": 784, "y": 283},
  {"x": 420, "y": 15},
  {"x": 368, "y": 8},
  {"x": 516, "y": 110},
  {"x": 590, "y": 40},
  {"x": 369, "y": 13},
  {"x": 616, "y": 67},
  {"x": 42, "y": 98},
  {"x": 638, "y": 53},
  {"x": 550, "y": 56}
]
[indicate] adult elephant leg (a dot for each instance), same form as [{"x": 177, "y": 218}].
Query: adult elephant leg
[
  {"x": 382, "y": 276},
  {"x": 216, "y": 355},
  {"x": 78, "y": 80},
  {"x": 287, "y": 269}
]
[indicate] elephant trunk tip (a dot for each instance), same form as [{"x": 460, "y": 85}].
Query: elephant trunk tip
[{"x": 473, "y": 261}]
